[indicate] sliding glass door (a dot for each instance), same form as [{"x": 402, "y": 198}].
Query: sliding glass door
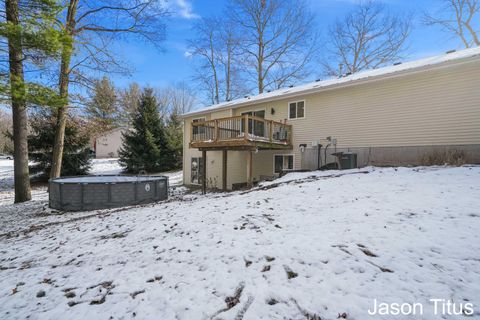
[{"x": 255, "y": 127}]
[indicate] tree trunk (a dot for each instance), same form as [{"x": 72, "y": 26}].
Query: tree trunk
[
  {"x": 260, "y": 75},
  {"x": 63, "y": 92},
  {"x": 228, "y": 74},
  {"x": 475, "y": 38},
  {"x": 214, "y": 69},
  {"x": 19, "y": 108}
]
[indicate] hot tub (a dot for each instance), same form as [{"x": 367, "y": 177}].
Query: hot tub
[{"x": 105, "y": 191}]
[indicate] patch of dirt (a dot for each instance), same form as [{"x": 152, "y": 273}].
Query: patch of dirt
[
  {"x": 136, "y": 293},
  {"x": 266, "y": 268},
  {"x": 366, "y": 251},
  {"x": 290, "y": 273}
]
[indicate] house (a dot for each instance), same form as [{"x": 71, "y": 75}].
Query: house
[
  {"x": 395, "y": 115},
  {"x": 109, "y": 143}
]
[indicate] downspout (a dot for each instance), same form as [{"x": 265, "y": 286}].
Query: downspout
[{"x": 319, "y": 157}]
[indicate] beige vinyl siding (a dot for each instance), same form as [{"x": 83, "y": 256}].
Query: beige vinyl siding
[
  {"x": 440, "y": 106},
  {"x": 109, "y": 143},
  {"x": 435, "y": 107},
  {"x": 214, "y": 158},
  {"x": 236, "y": 167}
]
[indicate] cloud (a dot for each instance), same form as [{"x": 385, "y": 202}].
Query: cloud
[{"x": 183, "y": 9}]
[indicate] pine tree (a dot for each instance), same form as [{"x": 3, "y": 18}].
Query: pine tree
[
  {"x": 174, "y": 132},
  {"x": 145, "y": 147},
  {"x": 76, "y": 156}
]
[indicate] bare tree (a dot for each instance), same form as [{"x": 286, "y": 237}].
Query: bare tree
[
  {"x": 181, "y": 98},
  {"x": 367, "y": 38},
  {"x": 460, "y": 18},
  {"x": 215, "y": 48},
  {"x": 205, "y": 47},
  {"x": 129, "y": 100},
  {"x": 175, "y": 99},
  {"x": 278, "y": 40},
  {"x": 93, "y": 26},
  {"x": 229, "y": 55}
]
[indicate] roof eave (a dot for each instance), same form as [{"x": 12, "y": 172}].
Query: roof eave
[{"x": 336, "y": 86}]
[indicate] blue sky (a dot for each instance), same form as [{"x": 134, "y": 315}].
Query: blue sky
[{"x": 154, "y": 68}]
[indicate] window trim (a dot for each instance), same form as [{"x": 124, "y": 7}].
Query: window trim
[
  {"x": 296, "y": 109},
  {"x": 199, "y": 118},
  {"x": 254, "y": 110},
  {"x": 284, "y": 154}
]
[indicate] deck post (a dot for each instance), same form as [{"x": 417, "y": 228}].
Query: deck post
[
  {"x": 224, "y": 170},
  {"x": 270, "y": 134},
  {"x": 204, "y": 172},
  {"x": 250, "y": 169},
  {"x": 245, "y": 127}
]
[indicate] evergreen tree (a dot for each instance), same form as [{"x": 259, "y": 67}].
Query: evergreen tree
[
  {"x": 174, "y": 133},
  {"x": 145, "y": 147},
  {"x": 102, "y": 108},
  {"x": 77, "y": 140}
]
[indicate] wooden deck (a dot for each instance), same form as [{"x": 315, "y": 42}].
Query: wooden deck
[{"x": 240, "y": 133}]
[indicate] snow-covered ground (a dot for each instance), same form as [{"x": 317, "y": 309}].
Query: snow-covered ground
[
  {"x": 39, "y": 193},
  {"x": 309, "y": 246}
]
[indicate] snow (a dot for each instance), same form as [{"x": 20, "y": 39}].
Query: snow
[
  {"x": 105, "y": 166},
  {"x": 6, "y": 174},
  {"x": 346, "y": 80},
  {"x": 309, "y": 244}
]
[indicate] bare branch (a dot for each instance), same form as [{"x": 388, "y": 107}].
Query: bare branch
[
  {"x": 459, "y": 18},
  {"x": 367, "y": 38},
  {"x": 278, "y": 39}
]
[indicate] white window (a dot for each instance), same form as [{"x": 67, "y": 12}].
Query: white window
[
  {"x": 282, "y": 162},
  {"x": 296, "y": 110}
]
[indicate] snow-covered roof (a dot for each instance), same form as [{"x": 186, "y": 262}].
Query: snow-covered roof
[{"x": 357, "y": 78}]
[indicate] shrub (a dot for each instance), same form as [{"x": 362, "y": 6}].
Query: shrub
[
  {"x": 76, "y": 156},
  {"x": 445, "y": 157}
]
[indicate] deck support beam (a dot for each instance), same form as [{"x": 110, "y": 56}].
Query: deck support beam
[
  {"x": 224, "y": 170},
  {"x": 249, "y": 169},
  {"x": 204, "y": 172}
]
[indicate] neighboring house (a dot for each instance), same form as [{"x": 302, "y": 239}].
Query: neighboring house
[
  {"x": 390, "y": 116},
  {"x": 109, "y": 143}
]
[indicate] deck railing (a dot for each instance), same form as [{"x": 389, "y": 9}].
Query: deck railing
[{"x": 245, "y": 127}]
